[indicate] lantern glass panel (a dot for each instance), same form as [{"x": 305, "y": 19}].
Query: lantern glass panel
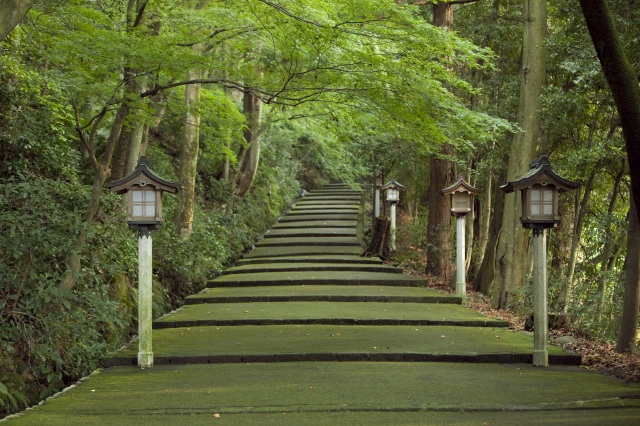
[
  {"x": 541, "y": 201},
  {"x": 143, "y": 203},
  {"x": 461, "y": 201},
  {"x": 393, "y": 194}
]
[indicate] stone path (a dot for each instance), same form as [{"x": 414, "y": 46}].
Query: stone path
[{"x": 305, "y": 331}]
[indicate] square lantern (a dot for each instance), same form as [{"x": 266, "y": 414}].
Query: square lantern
[
  {"x": 144, "y": 195},
  {"x": 392, "y": 191},
  {"x": 540, "y": 187},
  {"x": 378, "y": 181},
  {"x": 461, "y": 195}
]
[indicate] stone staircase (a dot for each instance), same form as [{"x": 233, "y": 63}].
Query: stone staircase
[{"x": 305, "y": 294}]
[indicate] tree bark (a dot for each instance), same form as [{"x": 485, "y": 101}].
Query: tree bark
[
  {"x": 484, "y": 278},
  {"x": 622, "y": 80},
  {"x": 576, "y": 238},
  {"x": 512, "y": 246},
  {"x": 629, "y": 321},
  {"x": 623, "y": 83},
  {"x": 12, "y": 12},
  {"x": 251, "y": 156},
  {"x": 439, "y": 244},
  {"x": 189, "y": 156}
]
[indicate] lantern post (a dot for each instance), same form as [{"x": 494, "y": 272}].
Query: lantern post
[
  {"x": 392, "y": 195},
  {"x": 461, "y": 195},
  {"x": 143, "y": 189},
  {"x": 376, "y": 196},
  {"x": 539, "y": 189}
]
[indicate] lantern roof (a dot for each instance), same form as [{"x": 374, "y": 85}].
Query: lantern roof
[
  {"x": 540, "y": 172},
  {"x": 460, "y": 186},
  {"x": 392, "y": 184},
  {"x": 143, "y": 175}
]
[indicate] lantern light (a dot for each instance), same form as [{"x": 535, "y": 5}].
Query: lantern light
[
  {"x": 461, "y": 195},
  {"x": 144, "y": 191},
  {"x": 392, "y": 191},
  {"x": 540, "y": 187}
]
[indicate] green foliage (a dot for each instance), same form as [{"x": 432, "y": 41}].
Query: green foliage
[{"x": 55, "y": 335}]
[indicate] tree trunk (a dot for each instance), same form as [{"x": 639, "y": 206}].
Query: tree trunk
[
  {"x": 576, "y": 238},
  {"x": 439, "y": 244},
  {"x": 512, "y": 246},
  {"x": 629, "y": 321},
  {"x": 251, "y": 155},
  {"x": 622, "y": 80},
  {"x": 484, "y": 278},
  {"x": 11, "y": 14},
  {"x": 189, "y": 155},
  {"x": 379, "y": 245}
]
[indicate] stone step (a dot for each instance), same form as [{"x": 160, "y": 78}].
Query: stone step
[
  {"x": 310, "y": 232},
  {"x": 327, "y": 258},
  {"x": 319, "y": 197},
  {"x": 321, "y": 293},
  {"x": 299, "y": 267},
  {"x": 325, "y": 312},
  {"x": 321, "y": 342},
  {"x": 309, "y": 241},
  {"x": 342, "y": 208},
  {"x": 315, "y": 278},
  {"x": 317, "y": 217},
  {"x": 316, "y": 224},
  {"x": 275, "y": 252},
  {"x": 327, "y": 202}
]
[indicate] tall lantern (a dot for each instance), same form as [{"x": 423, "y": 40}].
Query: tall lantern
[
  {"x": 143, "y": 189},
  {"x": 392, "y": 195},
  {"x": 461, "y": 195},
  {"x": 539, "y": 189}
]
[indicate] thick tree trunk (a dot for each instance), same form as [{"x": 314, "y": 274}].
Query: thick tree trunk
[
  {"x": 439, "y": 244},
  {"x": 11, "y": 14},
  {"x": 251, "y": 156},
  {"x": 629, "y": 322},
  {"x": 512, "y": 246},
  {"x": 622, "y": 80},
  {"x": 189, "y": 157},
  {"x": 484, "y": 278},
  {"x": 379, "y": 245},
  {"x": 189, "y": 161}
]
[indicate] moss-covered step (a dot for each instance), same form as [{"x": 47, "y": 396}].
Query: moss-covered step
[
  {"x": 337, "y": 197},
  {"x": 318, "y": 223},
  {"x": 309, "y": 241},
  {"x": 323, "y": 293},
  {"x": 304, "y": 217},
  {"x": 305, "y": 312},
  {"x": 324, "y": 393},
  {"x": 261, "y": 252},
  {"x": 323, "y": 207},
  {"x": 316, "y": 278},
  {"x": 299, "y": 267},
  {"x": 311, "y": 232},
  {"x": 326, "y": 201},
  {"x": 319, "y": 258},
  {"x": 320, "y": 342}
]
